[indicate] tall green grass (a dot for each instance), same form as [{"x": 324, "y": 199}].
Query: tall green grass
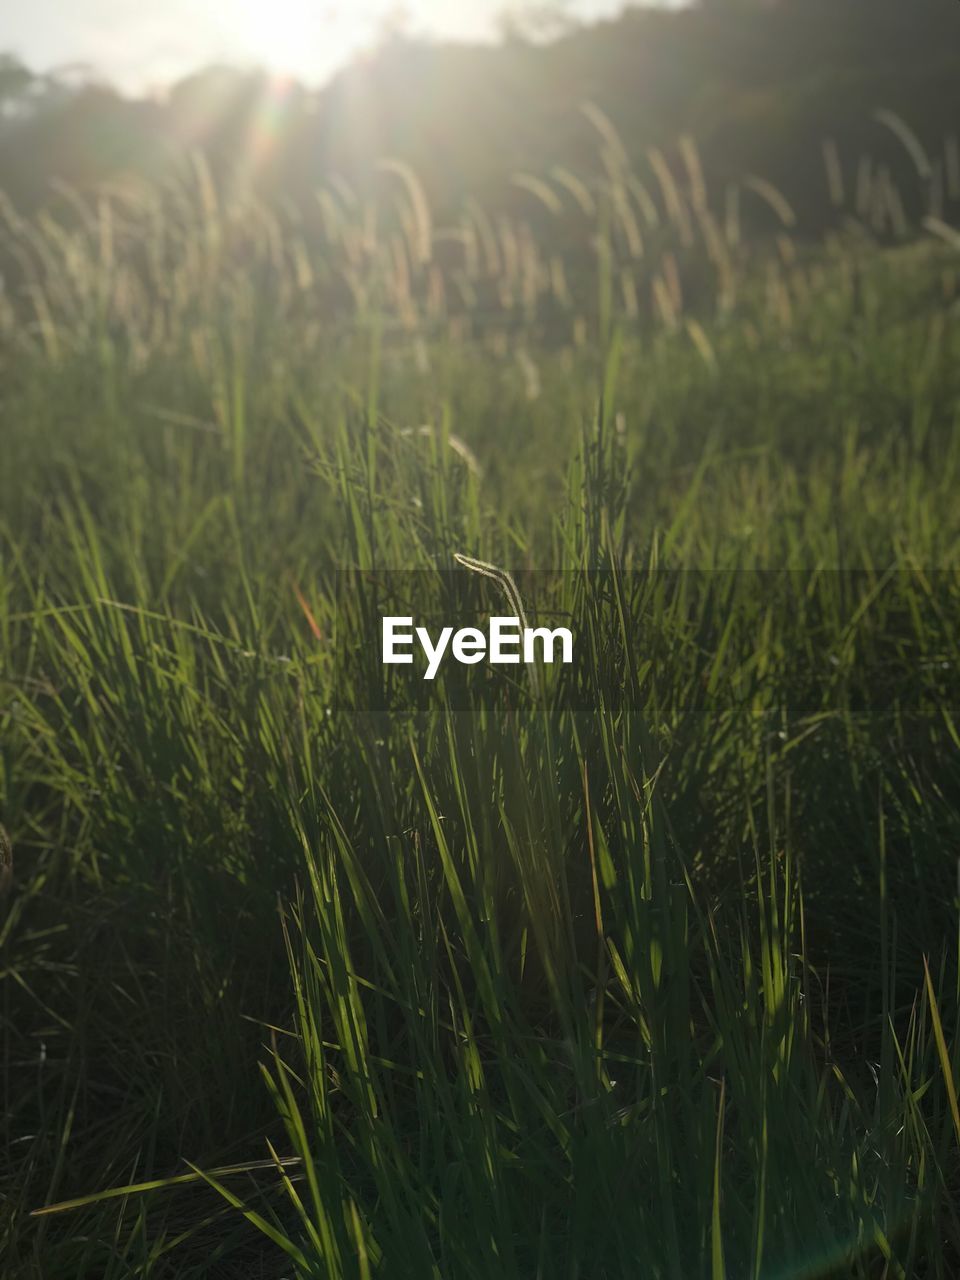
[{"x": 648, "y": 969}]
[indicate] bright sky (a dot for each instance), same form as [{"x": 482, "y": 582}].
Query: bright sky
[{"x": 139, "y": 44}]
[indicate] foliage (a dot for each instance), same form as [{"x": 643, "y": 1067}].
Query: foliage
[{"x": 647, "y": 969}]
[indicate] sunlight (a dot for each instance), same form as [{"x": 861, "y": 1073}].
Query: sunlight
[
  {"x": 300, "y": 36},
  {"x": 312, "y": 40}
]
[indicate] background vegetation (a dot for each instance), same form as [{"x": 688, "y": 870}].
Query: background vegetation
[{"x": 649, "y": 968}]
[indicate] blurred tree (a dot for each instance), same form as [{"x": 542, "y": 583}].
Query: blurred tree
[
  {"x": 15, "y": 78},
  {"x": 536, "y": 21},
  {"x": 759, "y": 83},
  {"x": 739, "y": 6}
]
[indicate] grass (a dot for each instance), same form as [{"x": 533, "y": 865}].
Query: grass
[{"x": 646, "y": 969}]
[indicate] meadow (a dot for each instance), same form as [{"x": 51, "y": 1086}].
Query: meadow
[{"x": 648, "y": 969}]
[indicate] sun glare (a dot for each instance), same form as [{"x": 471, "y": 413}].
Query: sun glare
[{"x": 300, "y": 37}]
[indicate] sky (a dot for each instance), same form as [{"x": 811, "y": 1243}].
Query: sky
[{"x": 139, "y": 45}]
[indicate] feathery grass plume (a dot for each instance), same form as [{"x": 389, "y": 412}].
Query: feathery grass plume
[
  {"x": 578, "y": 189},
  {"x": 834, "y": 168},
  {"x": 209, "y": 203},
  {"x": 911, "y": 143},
  {"x": 673, "y": 201},
  {"x": 628, "y": 290},
  {"x": 607, "y": 131},
  {"x": 419, "y": 206},
  {"x": 626, "y": 219},
  {"x": 505, "y": 582},
  {"x": 664, "y": 302},
  {"x": 772, "y": 197},
  {"x": 645, "y": 201},
  {"x": 558, "y": 282},
  {"x": 400, "y": 275},
  {"x": 671, "y": 277},
  {"x": 943, "y": 231},
  {"x": 540, "y": 189},
  {"x": 703, "y": 344},
  {"x": 691, "y": 159},
  {"x": 509, "y": 250},
  {"x": 475, "y": 211},
  {"x": 459, "y": 447}
]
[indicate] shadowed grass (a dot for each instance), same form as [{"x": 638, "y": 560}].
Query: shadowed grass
[{"x": 646, "y": 968}]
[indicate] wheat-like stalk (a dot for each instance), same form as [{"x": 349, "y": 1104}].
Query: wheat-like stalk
[{"x": 506, "y": 584}]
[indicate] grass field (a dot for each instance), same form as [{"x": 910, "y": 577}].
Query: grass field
[{"x": 648, "y": 969}]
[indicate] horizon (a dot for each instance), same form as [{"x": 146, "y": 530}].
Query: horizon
[{"x": 141, "y": 51}]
